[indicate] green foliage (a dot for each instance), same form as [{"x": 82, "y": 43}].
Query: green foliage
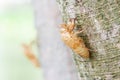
[{"x": 17, "y": 27}]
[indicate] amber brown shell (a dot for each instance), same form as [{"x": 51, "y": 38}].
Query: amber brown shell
[{"x": 74, "y": 42}]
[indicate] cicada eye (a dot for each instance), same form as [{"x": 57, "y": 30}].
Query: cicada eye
[{"x": 63, "y": 25}]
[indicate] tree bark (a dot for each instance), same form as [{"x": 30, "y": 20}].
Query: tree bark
[
  {"x": 100, "y": 20},
  {"x": 56, "y": 60}
]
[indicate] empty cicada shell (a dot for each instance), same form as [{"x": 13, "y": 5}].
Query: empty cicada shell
[
  {"x": 72, "y": 40},
  {"x": 30, "y": 54}
]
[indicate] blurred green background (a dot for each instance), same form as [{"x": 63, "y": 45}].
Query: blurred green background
[{"x": 17, "y": 27}]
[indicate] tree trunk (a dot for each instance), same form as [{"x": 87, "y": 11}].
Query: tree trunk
[
  {"x": 56, "y": 60},
  {"x": 100, "y": 20}
]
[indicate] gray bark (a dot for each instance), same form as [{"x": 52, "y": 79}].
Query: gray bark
[
  {"x": 100, "y": 20},
  {"x": 56, "y": 60}
]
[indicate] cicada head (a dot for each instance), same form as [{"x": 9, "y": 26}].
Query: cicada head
[{"x": 63, "y": 28}]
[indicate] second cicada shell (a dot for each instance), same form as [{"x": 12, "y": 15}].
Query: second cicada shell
[
  {"x": 72, "y": 40},
  {"x": 30, "y": 54}
]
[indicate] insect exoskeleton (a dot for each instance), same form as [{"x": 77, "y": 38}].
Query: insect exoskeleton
[
  {"x": 71, "y": 39},
  {"x": 30, "y": 54}
]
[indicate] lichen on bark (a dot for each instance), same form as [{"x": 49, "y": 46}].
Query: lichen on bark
[{"x": 100, "y": 20}]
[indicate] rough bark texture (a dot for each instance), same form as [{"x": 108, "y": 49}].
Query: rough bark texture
[
  {"x": 56, "y": 60},
  {"x": 100, "y": 20}
]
